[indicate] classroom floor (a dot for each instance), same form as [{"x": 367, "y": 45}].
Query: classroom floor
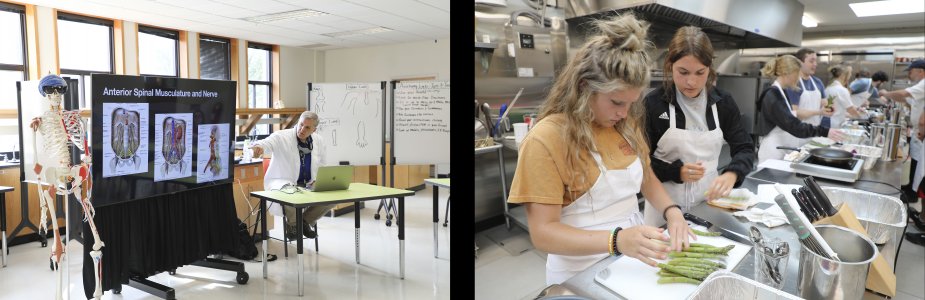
[
  {"x": 330, "y": 274},
  {"x": 508, "y": 267}
]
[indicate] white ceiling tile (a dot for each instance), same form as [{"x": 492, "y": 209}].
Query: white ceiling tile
[
  {"x": 412, "y": 10},
  {"x": 440, "y": 4},
  {"x": 348, "y": 25}
]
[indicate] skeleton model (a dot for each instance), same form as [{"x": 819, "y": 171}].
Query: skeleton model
[
  {"x": 125, "y": 137},
  {"x": 174, "y": 144},
  {"x": 215, "y": 160},
  {"x": 57, "y": 128}
]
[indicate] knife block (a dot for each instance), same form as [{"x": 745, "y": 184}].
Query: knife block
[{"x": 880, "y": 277}]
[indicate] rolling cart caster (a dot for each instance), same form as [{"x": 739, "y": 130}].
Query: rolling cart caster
[
  {"x": 172, "y": 272},
  {"x": 388, "y": 223},
  {"x": 444, "y": 224},
  {"x": 242, "y": 277},
  {"x": 44, "y": 244},
  {"x": 117, "y": 290},
  {"x": 376, "y": 216}
]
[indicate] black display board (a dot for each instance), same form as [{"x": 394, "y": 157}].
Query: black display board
[{"x": 168, "y": 113}]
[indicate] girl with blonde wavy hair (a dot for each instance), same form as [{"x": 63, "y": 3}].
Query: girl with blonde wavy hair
[
  {"x": 581, "y": 166},
  {"x": 778, "y": 124}
]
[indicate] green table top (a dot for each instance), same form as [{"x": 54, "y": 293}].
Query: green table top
[
  {"x": 356, "y": 192},
  {"x": 444, "y": 182}
]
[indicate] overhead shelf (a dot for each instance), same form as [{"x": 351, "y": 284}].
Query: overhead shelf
[{"x": 485, "y": 45}]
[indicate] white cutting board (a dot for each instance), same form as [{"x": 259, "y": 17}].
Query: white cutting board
[{"x": 632, "y": 279}]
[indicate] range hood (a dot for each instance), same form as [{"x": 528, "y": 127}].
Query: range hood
[{"x": 731, "y": 24}]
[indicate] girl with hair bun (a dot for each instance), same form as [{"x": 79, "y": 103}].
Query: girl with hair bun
[
  {"x": 777, "y": 123},
  {"x": 579, "y": 169},
  {"x": 840, "y": 95}
]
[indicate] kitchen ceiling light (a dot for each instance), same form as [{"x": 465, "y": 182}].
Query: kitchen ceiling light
[
  {"x": 887, "y": 7},
  {"x": 809, "y": 21},
  {"x": 295, "y": 14},
  {"x": 357, "y": 32}
]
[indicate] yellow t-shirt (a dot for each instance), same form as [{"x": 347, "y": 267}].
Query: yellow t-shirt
[{"x": 542, "y": 175}]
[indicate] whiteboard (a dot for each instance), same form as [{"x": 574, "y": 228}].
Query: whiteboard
[
  {"x": 422, "y": 122},
  {"x": 350, "y": 121}
]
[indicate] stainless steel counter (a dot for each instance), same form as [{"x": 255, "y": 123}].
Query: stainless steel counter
[{"x": 583, "y": 284}]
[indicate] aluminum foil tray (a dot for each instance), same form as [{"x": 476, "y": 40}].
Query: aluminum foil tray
[
  {"x": 884, "y": 217},
  {"x": 725, "y": 285}
]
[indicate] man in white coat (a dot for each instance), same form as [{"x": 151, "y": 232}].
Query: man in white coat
[{"x": 296, "y": 155}]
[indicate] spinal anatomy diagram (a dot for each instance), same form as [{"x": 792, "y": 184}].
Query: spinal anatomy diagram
[
  {"x": 172, "y": 138},
  {"x": 212, "y": 152},
  {"x": 125, "y": 131}
]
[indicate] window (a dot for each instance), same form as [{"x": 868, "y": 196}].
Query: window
[
  {"x": 158, "y": 52},
  {"x": 12, "y": 53},
  {"x": 259, "y": 81},
  {"x": 214, "y": 58},
  {"x": 84, "y": 47}
]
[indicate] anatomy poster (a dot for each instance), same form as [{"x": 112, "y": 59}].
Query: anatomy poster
[
  {"x": 212, "y": 153},
  {"x": 125, "y": 138},
  {"x": 173, "y": 146}
]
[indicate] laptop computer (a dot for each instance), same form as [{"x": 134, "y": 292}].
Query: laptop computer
[{"x": 333, "y": 178}]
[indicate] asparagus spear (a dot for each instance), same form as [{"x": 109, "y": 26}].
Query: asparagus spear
[
  {"x": 674, "y": 254},
  {"x": 702, "y": 233},
  {"x": 723, "y": 250},
  {"x": 676, "y": 279},
  {"x": 694, "y": 265},
  {"x": 699, "y": 275},
  {"x": 682, "y": 260}
]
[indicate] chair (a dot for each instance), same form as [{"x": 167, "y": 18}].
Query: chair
[{"x": 285, "y": 240}]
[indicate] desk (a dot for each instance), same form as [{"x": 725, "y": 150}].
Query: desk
[
  {"x": 3, "y": 190},
  {"x": 437, "y": 183},
  {"x": 356, "y": 193}
]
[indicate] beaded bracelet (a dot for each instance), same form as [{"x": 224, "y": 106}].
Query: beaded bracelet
[
  {"x": 614, "y": 251},
  {"x": 665, "y": 212},
  {"x": 610, "y": 242}
]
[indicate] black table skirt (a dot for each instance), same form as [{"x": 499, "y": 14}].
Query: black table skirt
[{"x": 149, "y": 236}]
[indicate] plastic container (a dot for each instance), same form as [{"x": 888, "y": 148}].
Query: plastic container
[
  {"x": 883, "y": 217},
  {"x": 822, "y": 278}
]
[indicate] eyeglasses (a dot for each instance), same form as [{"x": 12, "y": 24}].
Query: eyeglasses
[{"x": 54, "y": 89}]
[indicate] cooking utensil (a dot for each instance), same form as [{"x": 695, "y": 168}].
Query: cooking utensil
[
  {"x": 476, "y": 109},
  {"x": 805, "y": 207},
  {"x": 723, "y": 232},
  {"x": 486, "y": 111},
  {"x": 820, "y": 196},
  {"x": 804, "y": 229},
  {"x": 816, "y": 206},
  {"x": 828, "y": 156}
]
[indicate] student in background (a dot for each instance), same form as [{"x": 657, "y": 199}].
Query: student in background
[
  {"x": 807, "y": 100},
  {"x": 842, "y": 104},
  {"x": 778, "y": 125}
]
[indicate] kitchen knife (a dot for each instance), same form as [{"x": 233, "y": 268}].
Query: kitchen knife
[
  {"x": 723, "y": 232},
  {"x": 812, "y": 199},
  {"x": 820, "y": 195},
  {"x": 804, "y": 206},
  {"x": 820, "y": 212}
]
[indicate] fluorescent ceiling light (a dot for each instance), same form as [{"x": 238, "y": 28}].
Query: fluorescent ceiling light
[
  {"x": 887, "y": 7},
  {"x": 295, "y": 14},
  {"x": 809, "y": 21},
  {"x": 357, "y": 32}
]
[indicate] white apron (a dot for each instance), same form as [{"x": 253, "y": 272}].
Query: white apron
[
  {"x": 811, "y": 100},
  {"x": 688, "y": 146},
  {"x": 777, "y": 137},
  {"x": 609, "y": 203}
]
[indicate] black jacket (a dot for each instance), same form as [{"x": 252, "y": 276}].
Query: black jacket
[
  {"x": 740, "y": 143},
  {"x": 775, "y": 112}
]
